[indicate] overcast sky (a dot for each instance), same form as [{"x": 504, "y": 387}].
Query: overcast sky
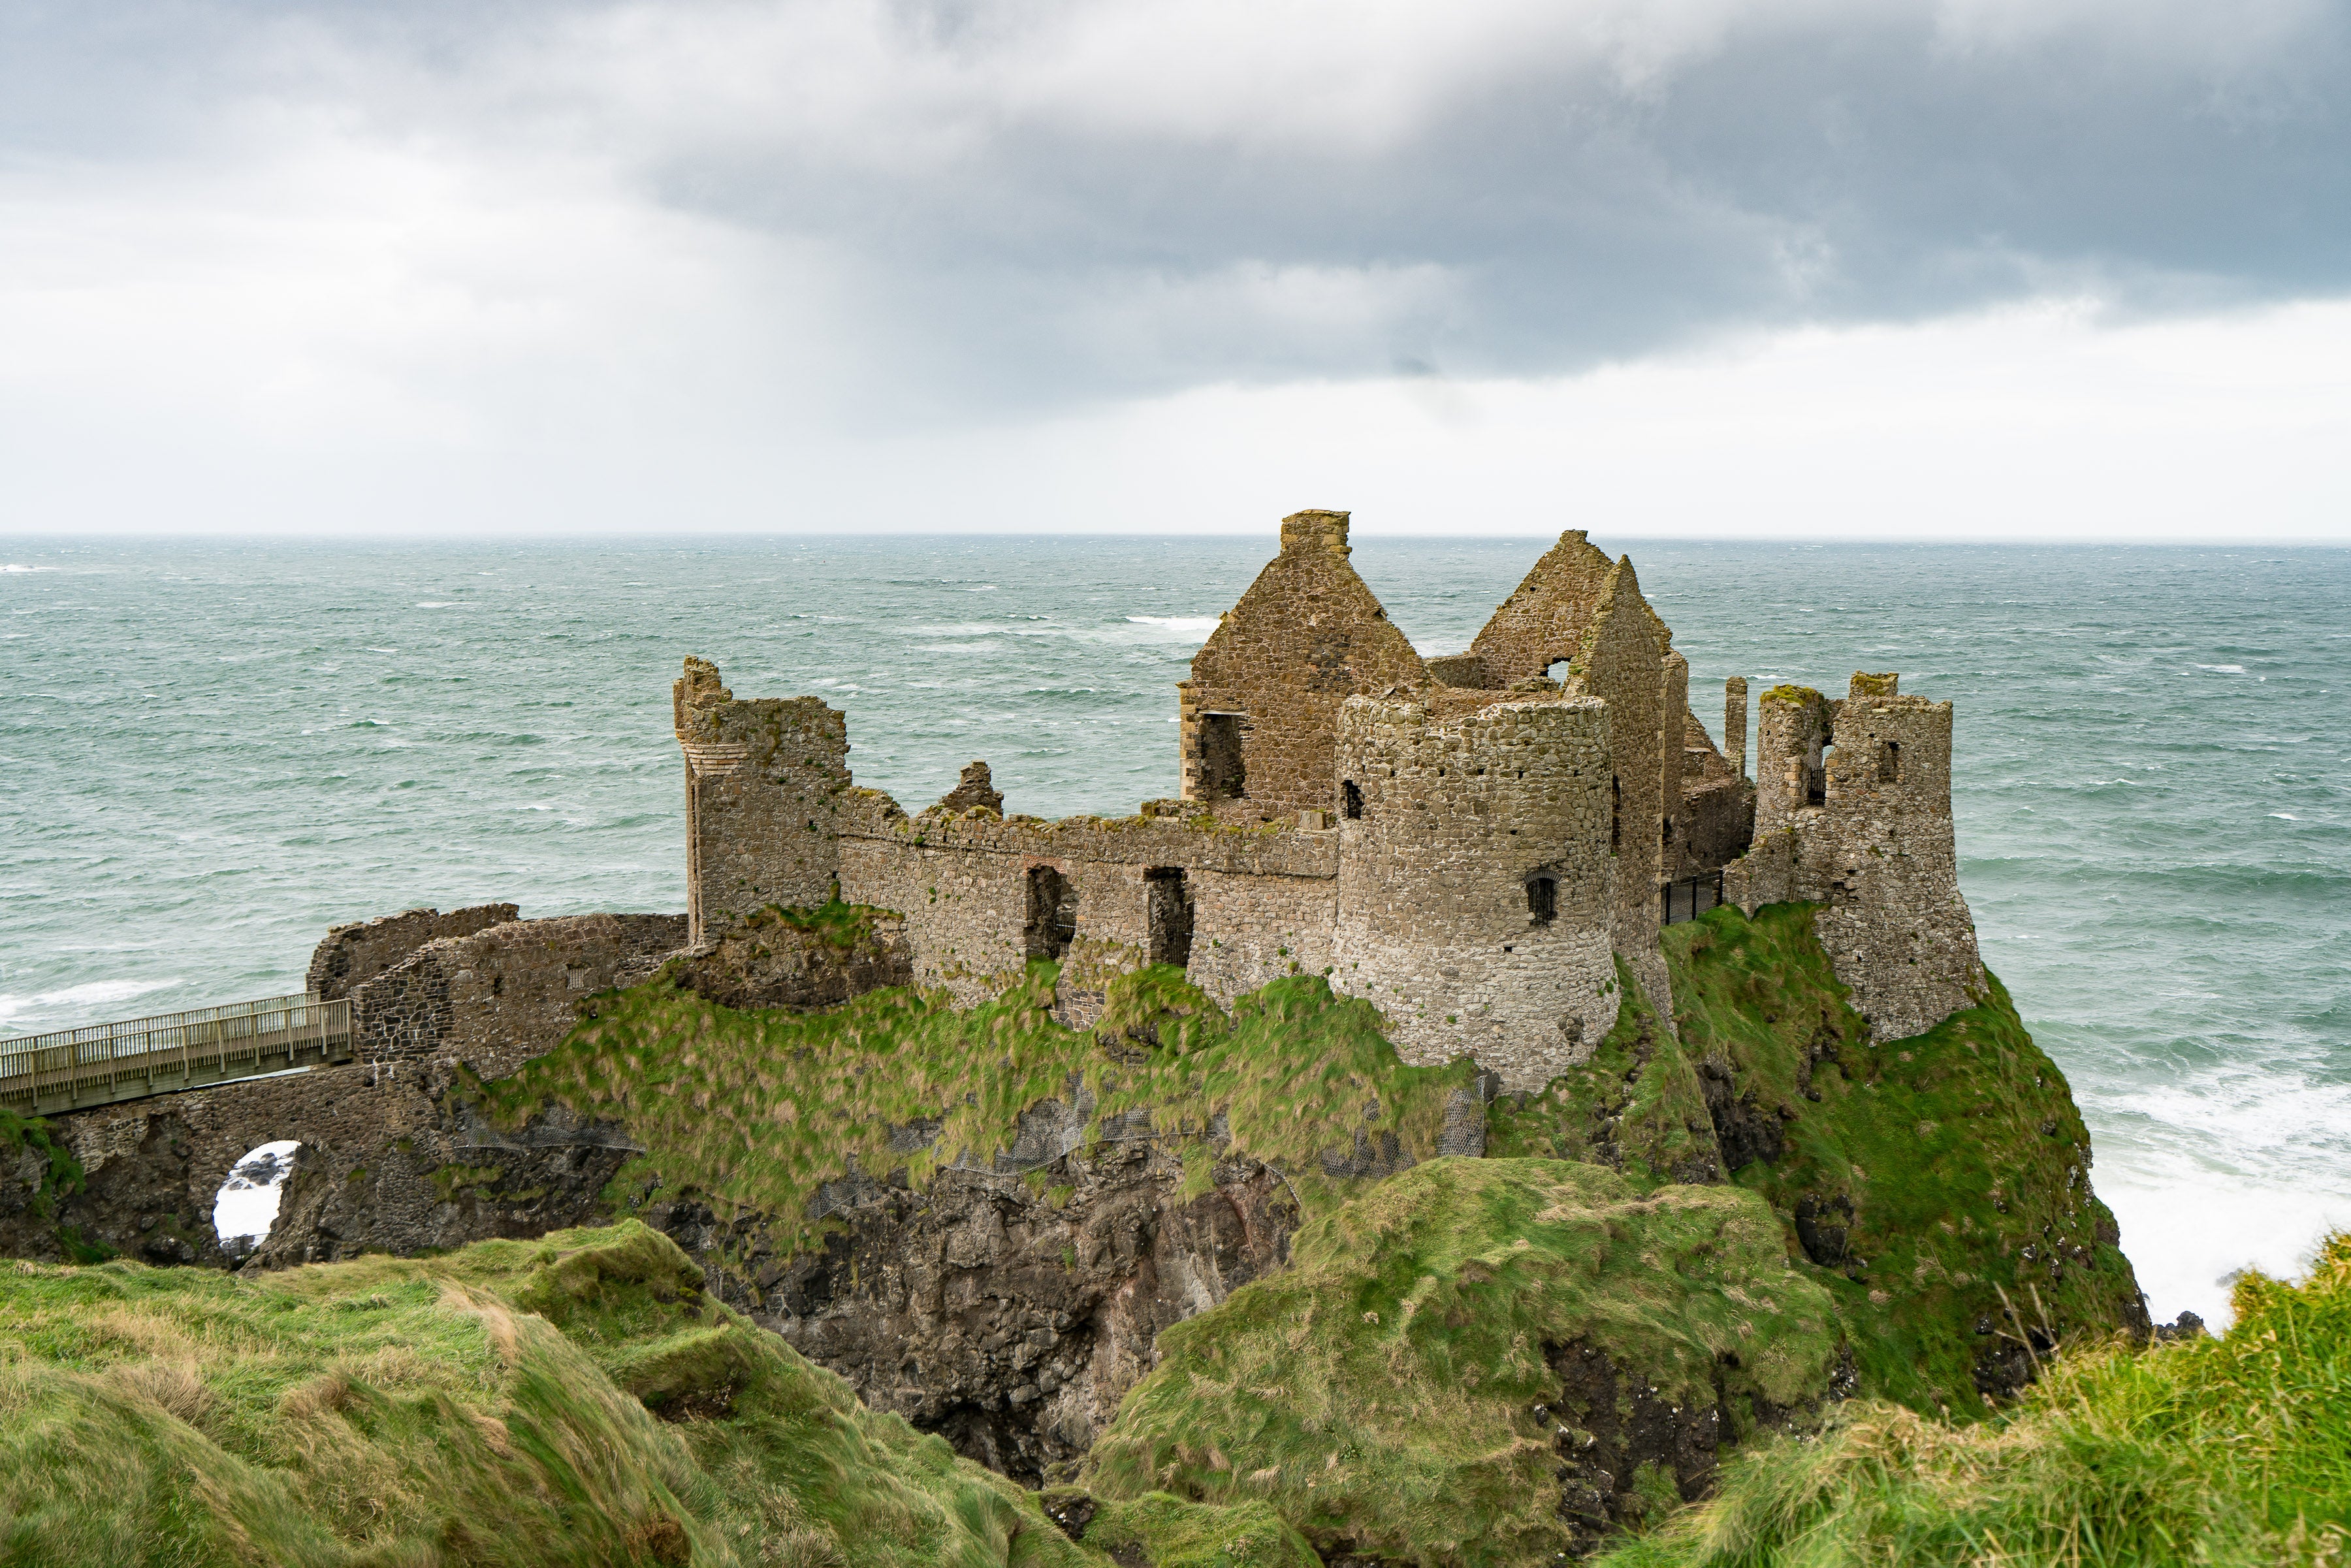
[{"x": 2035, "y": 268}]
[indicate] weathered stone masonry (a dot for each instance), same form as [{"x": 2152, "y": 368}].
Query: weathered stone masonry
[
  {"x": 1473, "y": 841},
  {"x": 1854, "y": 811}
]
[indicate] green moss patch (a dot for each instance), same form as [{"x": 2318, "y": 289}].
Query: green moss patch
[
  {"x": 760, "y": 1108},
  {"x": 1391, "y": 1392},
  {"x": 59, "y": 1175},
  {"x": 1939, "y": 1186}
]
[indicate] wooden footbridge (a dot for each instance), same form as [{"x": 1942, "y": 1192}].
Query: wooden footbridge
[{"x": 98, "y": 1064}]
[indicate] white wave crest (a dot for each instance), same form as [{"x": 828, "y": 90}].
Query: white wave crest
[
  {"x": 74, "y": 1004},
  {"x": 1178, "y": 622}
]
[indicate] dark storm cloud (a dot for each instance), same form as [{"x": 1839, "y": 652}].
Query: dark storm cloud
[{"x": 1027, "y": 203}]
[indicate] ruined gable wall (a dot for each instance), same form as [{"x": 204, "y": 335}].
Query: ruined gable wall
[
  {"x": 355, "y": 954},
  {"x": 764, "y": 783},
  {"x": 1435, "y": 921},
  {"x": 1543, "y": 620},
  {"x": 1306, "y": 636},
  {"x": 494, "y": 1000},
  {"x": 1622, "y": 662}
]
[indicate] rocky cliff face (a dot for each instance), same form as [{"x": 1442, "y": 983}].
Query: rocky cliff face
[{"x": 1008, "y": 1313}]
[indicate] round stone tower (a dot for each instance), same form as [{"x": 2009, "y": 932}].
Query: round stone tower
[{"x": 1475, "y": 877}]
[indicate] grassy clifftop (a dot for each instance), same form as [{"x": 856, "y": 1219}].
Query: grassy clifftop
[
  {"x": 1937, "y": 1187},
  {"x": 574, "y": 1400},
  {"x": 759, "y": 1108},
  {"x": 1483, "y": 1362}
]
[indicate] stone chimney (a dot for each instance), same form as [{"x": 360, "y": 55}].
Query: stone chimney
[{"x": 1314, "y": 530}]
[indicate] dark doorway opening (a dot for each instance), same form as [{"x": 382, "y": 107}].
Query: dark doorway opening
[
  {"x": 1224, "y": 775},
  {"x": 1816, "y": 777},
  {"x": 1167, "y": 915},
  {"x": 1890, "y": 763},
  {"x": 1543, "y": 899},
  {"x": 1053, "y": 913},
  {"x": 1350, "y": 800}
]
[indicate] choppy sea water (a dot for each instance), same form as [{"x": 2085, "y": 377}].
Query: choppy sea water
[{"x": 212, "y": 751}]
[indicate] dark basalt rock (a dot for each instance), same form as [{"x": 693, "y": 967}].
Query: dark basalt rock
[{"x": 983, "y": 1310}]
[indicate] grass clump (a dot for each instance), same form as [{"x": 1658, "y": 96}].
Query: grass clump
[
  {"x": 837, "y": 924},
  {"x": 2228, "y": 1452},
  {"x": 496, "y": 1406},
  {"x": 1396, "y": 1392},
  {"x": 1939, "y": 1185},
  {"x": 758, "y": 1108},
  {"x": 1169, "y": 1532}
]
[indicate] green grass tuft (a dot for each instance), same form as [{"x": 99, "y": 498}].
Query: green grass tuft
[
  {"x": 2232, "y": 1452},
  {"x": 417, "y": 1413}
]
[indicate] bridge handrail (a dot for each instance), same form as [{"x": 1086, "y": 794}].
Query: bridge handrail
[{"x": 63, "y": 1059}]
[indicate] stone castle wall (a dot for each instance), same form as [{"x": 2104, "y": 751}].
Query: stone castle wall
[
  {"x": 1441, "y": 920},
  {"x": 382, "y": 1137},
  {"x": 494, "y": 1000},
  {"x": 355, "y": 954},
  {"x": 1877, "y": 851},
  {"x": 964, "y": 884},
  {"x": 763, "y": 785}
]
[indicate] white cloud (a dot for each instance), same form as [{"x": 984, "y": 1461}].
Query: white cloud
[{"x": 1711, "y": 263}]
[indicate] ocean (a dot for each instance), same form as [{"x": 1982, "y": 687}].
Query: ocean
[{"x": 213, "y": 751}]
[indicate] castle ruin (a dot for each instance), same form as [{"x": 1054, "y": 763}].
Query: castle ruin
[{"x": 1471, "y": 843}]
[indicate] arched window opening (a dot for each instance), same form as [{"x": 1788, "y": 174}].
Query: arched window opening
[
  {"x": 1816, "y": 781},
  {"x": 1167, "y": 915},
  {"x": 1350, "y": 800},
  {"x": 1223, "y": 775},
  {"x": 1543, "y": 900},
  {"x": 245, "y": 1207},
  {"x": 1889, "y": 762},
  {"x": 1053, "y": 913}
]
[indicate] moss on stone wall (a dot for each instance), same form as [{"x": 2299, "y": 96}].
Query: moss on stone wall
[{"x": 44, "y": 1171}]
